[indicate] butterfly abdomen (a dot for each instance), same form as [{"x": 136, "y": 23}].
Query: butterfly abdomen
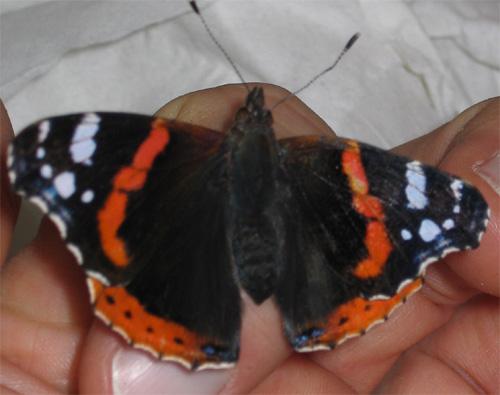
[
  {"x": 253, "y": 195},
  {"x": 252, "y": 206},
  {"x": 255, "y": 246}
]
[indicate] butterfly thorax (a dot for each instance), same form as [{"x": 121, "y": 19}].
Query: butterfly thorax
[{"x": 253, "y": 168}]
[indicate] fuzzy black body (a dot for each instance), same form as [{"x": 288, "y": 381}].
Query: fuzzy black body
[{"x": 254, "y": 197}]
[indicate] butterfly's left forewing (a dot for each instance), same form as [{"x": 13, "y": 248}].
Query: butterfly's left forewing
[
  {"x": 62, "y": 164},
  {"x": 366, "y": 223}
]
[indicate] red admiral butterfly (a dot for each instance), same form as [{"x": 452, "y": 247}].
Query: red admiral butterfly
[{"x": 170, "y": 221}]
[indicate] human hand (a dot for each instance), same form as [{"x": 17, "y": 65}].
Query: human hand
[{"x": 443, "y": 340}]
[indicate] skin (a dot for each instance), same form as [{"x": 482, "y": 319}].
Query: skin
[{"x": 444, "y": 339}]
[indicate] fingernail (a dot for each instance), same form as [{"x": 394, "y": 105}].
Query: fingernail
[
  {"x": 489, "y": 170},
  {"x": 135, "y": 372}
]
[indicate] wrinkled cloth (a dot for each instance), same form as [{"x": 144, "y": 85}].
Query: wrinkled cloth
[{"x": 416, "y": 65}]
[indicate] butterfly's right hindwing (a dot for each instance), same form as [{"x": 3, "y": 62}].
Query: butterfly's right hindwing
[{"x": 362, "y": 225}]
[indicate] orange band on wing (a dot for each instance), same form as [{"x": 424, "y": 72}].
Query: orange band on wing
[
  {"x": 356, "y": 316},
  {"x": 110, "y": 219},
  {"x": 368, "y": 206},
  {"x": 377, "y": 242},
  {"x": 379, "y": 248},
  {"x": 163, "y": 338},
  {"x": 354, "y": 169},
  {"x": 128, "y": 179}
]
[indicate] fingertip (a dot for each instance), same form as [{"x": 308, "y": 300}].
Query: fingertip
[
  {"x": 6, "y": 127},
  {"x": 432, "y": 147},
  {"x": 468, "y": 146},
  {"x": 470, "y": 159},
  {"x": 214, "y": 108},
  {"x": 110, "y": 365},
  {"x": 9, "y": 203}
]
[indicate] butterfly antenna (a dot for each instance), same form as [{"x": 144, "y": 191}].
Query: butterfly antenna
[
  {"x": 346, "y": 48},
  {"x": 195, "y": 8}
]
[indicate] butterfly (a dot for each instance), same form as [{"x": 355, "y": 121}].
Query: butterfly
[{"x": 170, "y": 221}]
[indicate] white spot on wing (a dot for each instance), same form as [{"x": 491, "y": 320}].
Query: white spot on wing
[
  {"x": 91, "y": 117},
  {"x": 46, "y": 171},
  {"x": 82, "y": 150},
  {"x": 456, "y": 187},
  {"x": 87, "y": 196},
  {"x": 40, "y": 153},
  {"x": 448, "y": 224},
  {"x": 415, "y": 190},
  {"x": 406, "y": 234},
  {"x": 43, "y": 130},
  {"x": 428, "y": 230},
  {"x": 64, "y": 184},
  {"x": 10, "y": 155},
  {"x": 85, "y": 131},
  {"x": 82, "y": 143},
  {"x": 12, "y": 177}
]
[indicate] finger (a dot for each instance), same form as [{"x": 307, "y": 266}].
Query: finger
[
  {"x": 262, "y": 343},
  {"x": 44, "y": 311},
  {"x": 14, "y": 380},
  {"x": 461, "y": 357},
  {"x": 9, "y": 203},
  {"x": 216, "y": 108},
  {"x": 363, "y": 361},
  {"x": 291, "y": 376},
  {"x": 431, "y": 148},
  {"x": 35, "y": 300},
  {"x": 43, "y": 283},
  {"x": 468, "y": 146},
  {"x": 476, "y": 150}
]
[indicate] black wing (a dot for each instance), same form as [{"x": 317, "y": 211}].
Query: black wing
[
  {"x": 140, "y": 202},
  {"x": 364, "y": 225}
]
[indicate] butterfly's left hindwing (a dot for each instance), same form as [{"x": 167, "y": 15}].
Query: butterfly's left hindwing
[{"x": 365, "y": 225}]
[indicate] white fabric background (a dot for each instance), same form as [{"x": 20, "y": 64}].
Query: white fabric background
[{"x": 417, "y": 64}]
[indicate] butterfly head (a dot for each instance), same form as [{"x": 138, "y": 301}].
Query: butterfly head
[{"x": 254, "y": 111}]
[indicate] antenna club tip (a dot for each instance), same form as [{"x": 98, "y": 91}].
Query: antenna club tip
[
  {"x": 194, "y": 6},
  {"x": 352, "y": 40}
]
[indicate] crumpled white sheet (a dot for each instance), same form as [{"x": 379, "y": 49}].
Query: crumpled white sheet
[{"x": 417, "y": 64}]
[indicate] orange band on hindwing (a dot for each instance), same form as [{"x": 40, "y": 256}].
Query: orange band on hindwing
[
  {"x": 376, "y": 239},
  {"x": 128, "y": 179},
  {"x": 159, "y": 336},
  {"x": 357, "y": 315}
]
